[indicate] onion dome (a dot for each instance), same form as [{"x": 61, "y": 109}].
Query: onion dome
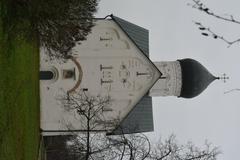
[{"x": 195, "y": 78}]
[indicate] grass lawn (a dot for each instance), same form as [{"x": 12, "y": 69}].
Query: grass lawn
[{"x": 19, "y": 94}]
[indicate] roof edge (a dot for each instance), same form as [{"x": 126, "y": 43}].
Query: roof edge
[
  {"x": 113, "y": 18},
  {"x": 160, "y": 73}
]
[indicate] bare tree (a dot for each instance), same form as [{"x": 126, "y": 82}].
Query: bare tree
[
  {"x": 94, "y": 145},
  {"x": 90, "y": 111},
  {"x": 129, "y": 147},
  {"x": 138, "y": 147},
  {"x": 171, "y": 150}
]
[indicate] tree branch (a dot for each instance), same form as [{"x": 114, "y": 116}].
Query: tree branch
[
  {"x": 203, "y": 8},
  {"x": 206, "y": 31},
  {"x": 232, "y": 90}
]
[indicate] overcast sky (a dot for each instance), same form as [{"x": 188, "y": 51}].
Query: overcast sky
[{"x": 213, "y": 115}]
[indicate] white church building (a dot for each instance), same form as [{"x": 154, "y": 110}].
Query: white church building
[{"x": 114, "y": 61}]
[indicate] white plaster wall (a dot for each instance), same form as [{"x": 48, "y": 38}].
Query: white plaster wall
[
  {"x": 111, "y": 65},
  {"x": 171, "y": 83}
]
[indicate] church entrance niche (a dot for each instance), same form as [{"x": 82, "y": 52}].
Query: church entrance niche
[{"x": 46, "y": 75}]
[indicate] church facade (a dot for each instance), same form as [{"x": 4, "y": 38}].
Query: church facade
[{"x": 114, "y": 62}]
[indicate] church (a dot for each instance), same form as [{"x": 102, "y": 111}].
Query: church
[{"x": 114, "y": 61}]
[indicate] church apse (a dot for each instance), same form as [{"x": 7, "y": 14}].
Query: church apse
[{"x": 185, "y": 78}]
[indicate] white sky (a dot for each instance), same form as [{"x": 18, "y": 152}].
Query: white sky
[{"x": 213, "y": 115}]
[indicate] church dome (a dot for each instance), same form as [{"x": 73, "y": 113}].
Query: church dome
[{"x": 195, "y": 78}]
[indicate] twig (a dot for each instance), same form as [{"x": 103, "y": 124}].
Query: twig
[
  {"x": 203, "y": 8},
  {"x": 232, "y": 90},
  {"x": 206, "y": 31}
]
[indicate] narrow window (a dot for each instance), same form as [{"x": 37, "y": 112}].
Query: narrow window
[{"x": 46, "y": 75}]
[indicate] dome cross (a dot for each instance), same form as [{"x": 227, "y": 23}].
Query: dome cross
[{"x": 224, "y": 78}]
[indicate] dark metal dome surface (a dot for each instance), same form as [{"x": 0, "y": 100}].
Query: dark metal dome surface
[{"x": 195, "y": 78}]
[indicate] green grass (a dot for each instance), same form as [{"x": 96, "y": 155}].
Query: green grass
[{"x": 19, "y": 94}]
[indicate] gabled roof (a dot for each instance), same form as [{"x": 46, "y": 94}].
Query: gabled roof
[
  {"x": 139, "y": 35},
  {"x": 140, "y": 118}
]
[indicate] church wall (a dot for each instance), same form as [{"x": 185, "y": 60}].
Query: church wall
[
  {"x": 106, "y": 64},
  {"x": 171, "y": 82}
]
